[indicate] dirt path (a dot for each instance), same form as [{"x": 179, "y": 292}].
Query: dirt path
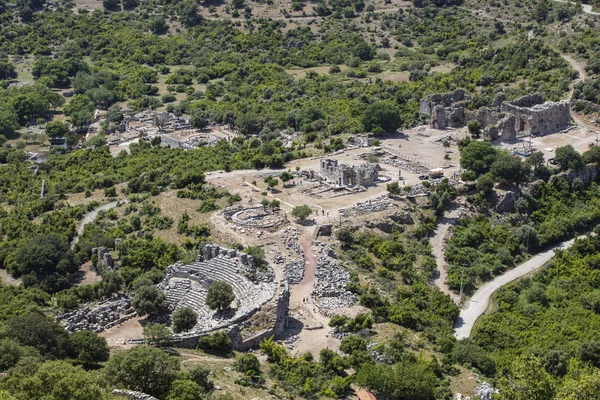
[
  {"x": 481, "y": 299},
  {"x": 580, "y": 68},
  {"x": 91, "y": 216},
  {"x": 438, "y": 249},
  {"x": 313, "y": 340}
]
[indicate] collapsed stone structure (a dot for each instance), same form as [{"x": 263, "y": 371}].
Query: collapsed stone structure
[
  {"x": 104, "y": 316},
  {"x": 366, "y": 207},
  {"x": 504, "y": 120},
  {"x": 187, "y": 285},
  {"x": 330, "y": 291},
  {"x": 345, "y": 175},
  {"x": 131, "y": 395}
]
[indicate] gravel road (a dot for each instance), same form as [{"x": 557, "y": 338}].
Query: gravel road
[{"x": 481, "y": 299}]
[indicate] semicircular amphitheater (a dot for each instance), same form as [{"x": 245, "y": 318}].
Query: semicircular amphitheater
[{"x": 187, "y": 286}]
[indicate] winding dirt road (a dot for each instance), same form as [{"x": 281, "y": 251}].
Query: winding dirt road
[
  {"x": 438, "y": 249},
  {"x": 481, "y": 299},
  {"x": 91, "y": 216}
]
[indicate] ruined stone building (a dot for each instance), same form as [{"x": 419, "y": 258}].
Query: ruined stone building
[
  {"x": 446, "y": 109},
  {"x": 346, "y": 175},
  {"x": 504, "y": 120}
]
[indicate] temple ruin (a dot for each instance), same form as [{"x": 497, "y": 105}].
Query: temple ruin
[
  {"x": 504, "y": 120},
  {"x": 346, "y": 175}
]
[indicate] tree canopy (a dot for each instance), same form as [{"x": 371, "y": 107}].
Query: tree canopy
[{"x": 219, "y": 296}]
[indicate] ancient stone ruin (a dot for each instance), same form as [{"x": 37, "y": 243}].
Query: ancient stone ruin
[
  {"x": 330, "y": 291},
  {"x": 187, "y": 285},
  {"x": 104, "y": 316},
  {"x": 131, "y": 395},
  {"x": 105, "y": 259},
  {"x": 504, "y": 120},
  {"x": 447, "y": 109},
  {"x": 345, "y": 175}
]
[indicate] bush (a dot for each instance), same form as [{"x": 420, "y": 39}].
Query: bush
[{"x": 469, "y": 354}]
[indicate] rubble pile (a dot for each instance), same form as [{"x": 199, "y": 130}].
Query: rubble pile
[
  {"x": 330, "y": 287},
  {"x": 131, "y": 395},
  {"x": 294, "y": 268},
  {"x": 485, "y": 391},
  {"x": 99, "y": 318}
]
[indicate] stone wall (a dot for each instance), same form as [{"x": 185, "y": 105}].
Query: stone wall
[
  {"x": 282, "y": 310},
  {"x": 247, "y": 266}
]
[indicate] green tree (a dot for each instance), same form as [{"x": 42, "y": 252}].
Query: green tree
[
  {"x": 507, "y": 169},
  {"x": 111, "y": 5},
  {"x": 381, "y": 117},
  {"x": 218, "y": 343},
  {"x": 394, "y": 188},
  {"x": 478, "y": 157},
  {"x": 112, "y": 282},
  {"x": 89, "y": 347},
  {"x": 56, "y": 380},
  {"x": 402, "y": 381},
  {"x": 535, "y": 161},
  {"x": 158, "y": 25},
  {"x": 143, "y": 368},
  {"x": 286, "y": 177},
  {"x": 148, "y": 300},
  {"x": 184, "y": 319},
  {"x": 219, "y": 296},
  {"x": 583, "y": 386},
  {"x": 200, "y": 375},
  {"x": 38, "y": 331},
  {"x": 302, "y": 212},
  {"x": 80, "y": 109},
  {"x": 474, "y": 128},
  {"x": 199, "y": 119},
  {"x": 247, "y": 364},
  {"x": 527, "y": 380},
  {"x": 43, "y": 255},
  {"x": 569, "y": 158},
  {"x": 157, "y": 335},
  {"x": 10, "y": 353},
  {"x": 9, "y": 121}
]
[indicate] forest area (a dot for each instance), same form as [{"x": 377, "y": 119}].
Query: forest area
[{"x": 64, "y": 67}]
